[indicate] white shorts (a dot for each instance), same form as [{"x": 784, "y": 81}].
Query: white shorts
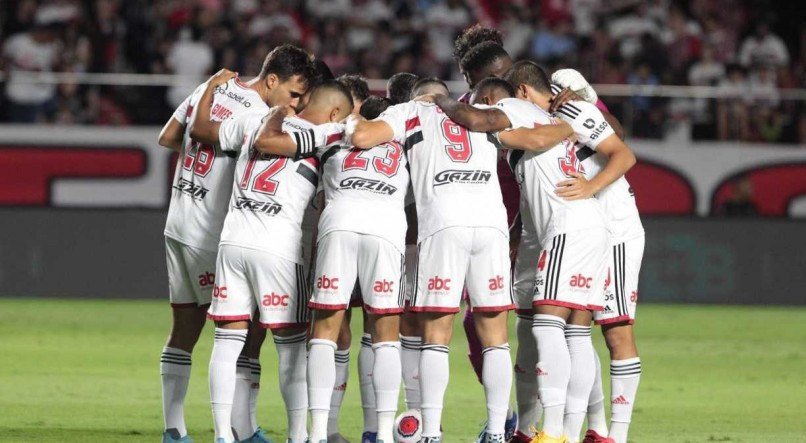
[
  {"x": 342, "y": 257},
  {"x": 569, "y": 270},
  {"x": 621, "y": 283},
  {"x": 453, "y": 258},
  {"x": 249, "y": 279},
  {"x": 191, "y": 274},
  {"x": 523, "y": 283}
]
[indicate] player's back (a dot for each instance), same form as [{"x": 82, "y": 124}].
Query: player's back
[
  {"x": 203, "y": 178},
  {"x": 270, "y": 192},
  {"x": 365, "y": 191},
  {"x": 539, "y": 173},
  {"x": 617, "y": 199},
  {"x": 453, "y": 171}
]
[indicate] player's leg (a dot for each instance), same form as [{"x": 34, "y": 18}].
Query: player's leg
[
  {"x": 474, "y": 347},
  {"x": 247, "y": 385},
  {"x": 342, "y": 376},
  {"x": 597, "y": 421},
  {"x": 366, "y": 363},
  {"x": 490, "y": 287},
  {"x": 583, "y": 371},
  {"x": 443, "y": 262},
  {"x": 411, "y": 335},
  {"x": 231, "y": 308},
  {"x": 382, "y": 280},
  {"x": 190, "y": 293},
  {"x": 335, "y": 276}
]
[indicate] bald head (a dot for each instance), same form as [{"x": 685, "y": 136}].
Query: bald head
[
  {"x": 330, "y": 102},
  {"x": 429, "y": 86}
]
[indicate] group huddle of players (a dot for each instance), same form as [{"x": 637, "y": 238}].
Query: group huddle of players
[{"x": 297, "y": 196}]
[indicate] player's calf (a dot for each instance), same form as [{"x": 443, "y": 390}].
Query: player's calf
[
  {"x": 625, "y": 375},
  {"x": 290, "y": 344},
  {"x": 583, "y": 371},
  {"x": 386, "y": 372}
]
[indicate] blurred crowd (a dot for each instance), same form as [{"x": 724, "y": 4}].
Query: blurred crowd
[{"x": 750, "y": 49}]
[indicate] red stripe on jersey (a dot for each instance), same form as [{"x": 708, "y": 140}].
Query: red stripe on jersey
[
  {"x": 333, "y": 138},
  {"x": 189, "y": 111},
  {"x": 412, "y": 123}
]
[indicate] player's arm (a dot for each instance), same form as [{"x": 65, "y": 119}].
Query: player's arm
[
  {"x": 172, "y": 134},
  {"x": 537, "y": 139},
  {"x": 615, "y": 124},
  {"x": 202, "y": 129},
  {"x": 272, "y": 140},
  {"x": 365, "y": 134},
  {"x": 471, "y": 117},
  {"x": 620, "y": 159}
]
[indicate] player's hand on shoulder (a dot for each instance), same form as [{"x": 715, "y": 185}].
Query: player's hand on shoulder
[
  {"x": 221, "y": 77},
  {"x": 575, "y": 188},
  {"x": 563, "y": 97},
  {"x": 572, "y": 79},
  {"x": 350, "y": 123}
]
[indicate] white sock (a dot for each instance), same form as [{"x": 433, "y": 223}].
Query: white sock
[
  {"x": 321, "y": 378},
  {"x": 366, "y": 361},
  {"x": 339, "y": 388},
  {"x": 553, "y": 370},
  {"x": 497, "y": 380},
  {"x": 583, "y": 372},
  {"x": 386, "y": 377},
  {"x": 410, "y": 362},
  {"x": 254, "y": 391},
  {"x": 529, "y": 409},
  {"x": 293, "y": 387},
  {"x": 241, "y": 420},
  {"x": 624, "y": 378},
  {"x": 226, "y": 349},
  {"x": 434, "y": 376},
  {"x": 596, "y": 411},
  {"x": 175, "y": 372}
]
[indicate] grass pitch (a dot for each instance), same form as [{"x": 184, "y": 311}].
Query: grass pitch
[{"x": 87, "y": 371}]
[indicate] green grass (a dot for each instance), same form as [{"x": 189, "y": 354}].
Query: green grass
[{"x": 88, "y": 371}]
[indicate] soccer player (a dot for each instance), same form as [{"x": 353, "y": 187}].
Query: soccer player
[
  {"x": 399, "y": 86},
  {"x": 367, "y": 251},
  {"x": 259, "y": 261},
  {"x": 566, "y": 367},
  {"x": 201, "y": 190},
  {"x": 463, "y": 239},
  {"x": 626, "y": 253}
]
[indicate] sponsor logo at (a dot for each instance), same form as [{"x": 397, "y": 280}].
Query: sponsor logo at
[
  {"x": 367, "y": 184},
  {"x": 472, "y": 177},
  {"x": 206, "y": 279},
  {"x": 634, "y": 296},
  {"x": 233, "y": 96},
  {"x": 187, "y": 187},
  {"x": 383, "y": 286},
  {"x": 220, "y": 112},
  {"x": 598, "y": 131},
  {"x": 580, "y": 281},
  {"x": 248, "y": 204},
  {"x": 274, "y": 301},
  {"x": 325, "y": 282},
  {"x": 437, "y": 283},
  {"x": 496, "y": 283},
  {"x": 220, "y": 292}
]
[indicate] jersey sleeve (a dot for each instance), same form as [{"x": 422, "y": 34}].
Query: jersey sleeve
[
  {"x": 401, "y": 118},
  {"x": 232, "y": 132},
  {"x": 185, "y": 109},
  {"x": 327, "y": 135},
  {"x": 587, "y": 121},
  {"x": 521, "y": 114}
]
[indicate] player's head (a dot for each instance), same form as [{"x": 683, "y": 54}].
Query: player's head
[
  {"x": 491, "y": 90},
  {"x": 471, "y": 37},
  {"x": 321, "y": 73},
  {"x": 530, "y": 82},
  {"x": 487, "y": 59},
  {"x": 330, "y": 102},
  {"x": 359, "y": 89},
  {"x": 399, "y": 87},
  {"x": 287, "y": 73},
  {"x": 373, "y": 106},
  {"x": 431, "y": 85}
]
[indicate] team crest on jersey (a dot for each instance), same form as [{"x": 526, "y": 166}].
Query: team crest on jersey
[
  {"x": 472, "y": 177},
  {"x": 197, "y": 192},
  {"x": 270, "y": 208},
  {"x": 367, "y": 184}
]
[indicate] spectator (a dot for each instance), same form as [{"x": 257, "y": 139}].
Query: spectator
[
  {"x": 445, "y": 20},
  {"x": 37, "y": 50},
  {"x": 707, "y": 71},
  {"x": 732, "y": 114},
  {"x": 189, "y": 57},
  {"x": 763, "y": 49},
  {"x": 740, "y": 202}
]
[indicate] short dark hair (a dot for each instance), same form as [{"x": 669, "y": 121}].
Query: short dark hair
[
  {"x": 481, "y": 56},
  {"x": 529, "y": 73},
  {"x": 472, "y": 36},
  {"x": 399, "y": 87},
  {"x": 286, "y": 61},
  {"x": 373, "y": 106},
  {"x": 495, "y": 83},
  {"x": 356, "y": 84},
  {"x": 335, "y": 86},
  {"x": 321, "y": 71},
  {"x": 423, "y": 82}
]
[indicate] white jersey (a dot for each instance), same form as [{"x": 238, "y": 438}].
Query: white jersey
[
  {"x": 203, "y": 180},
  {"x": 270, "y": 193},
  {"x": 365, "y": 191},
  {"x": 454, "y": 172},
  {"x": 617, "y": 199},
  {"x": 539, "y": 173}
]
